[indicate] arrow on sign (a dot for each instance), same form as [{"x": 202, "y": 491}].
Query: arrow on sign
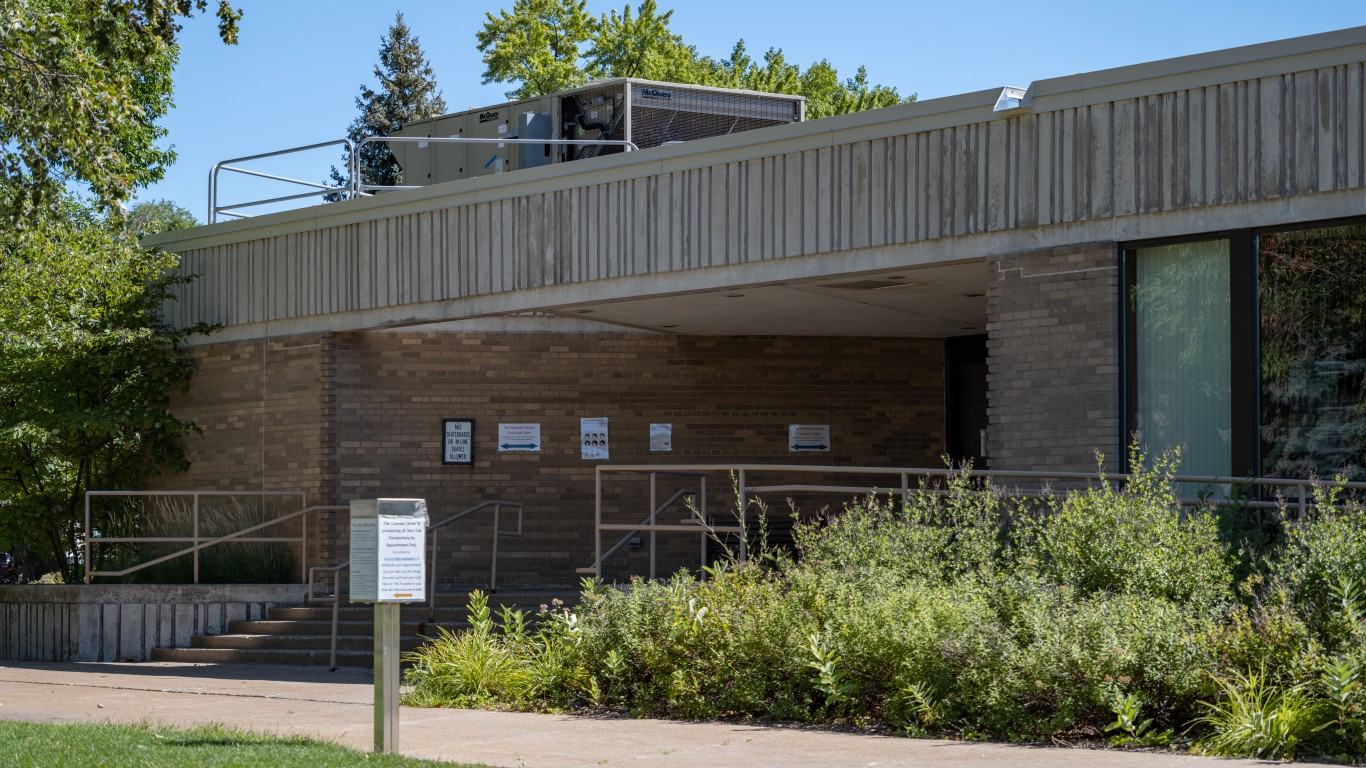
[
  {"x": 808, "y": 447},
  {"x": 526, "y": 446}
]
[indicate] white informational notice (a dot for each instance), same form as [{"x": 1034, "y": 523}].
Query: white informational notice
[
  {"x": 363, "y": 547},
  {"x": 388, "y": 550},
  {"x": 593, "y": 438},
  {"x": 519, "y": 437},
  {"x": 806, "y": 438},
  {"x": 661, "y": 437},
  {"x": 402, "y": 558}
]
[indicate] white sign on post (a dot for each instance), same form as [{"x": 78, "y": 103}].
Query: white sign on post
[
  {"x": 593, "y": 439},
  {"x": 805, "y": 438},
  {"x": 388, "y": 550},
  {"x": 388, "y": 560}
]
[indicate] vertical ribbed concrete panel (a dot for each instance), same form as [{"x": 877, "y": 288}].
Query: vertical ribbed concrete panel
[{"x": 1244, "y": 141}]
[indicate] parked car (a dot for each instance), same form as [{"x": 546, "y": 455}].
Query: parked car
[{"x": 10, "y": 572}]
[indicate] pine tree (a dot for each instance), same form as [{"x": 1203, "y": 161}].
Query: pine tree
[{"x": 407, "y": 92}]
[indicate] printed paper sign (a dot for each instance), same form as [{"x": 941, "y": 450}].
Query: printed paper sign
[
  {"x": 593, "y": 438},
  {"x": 388, "y": 550},
  {"x": 519, "y": 437},
  {"x": 661, "y": 437},
  {"x": 457, "y": 441},
  {"x": 363, "y": 551},
  {"x": 805, "y": 438},
  {"x": 402, "y": 557}
]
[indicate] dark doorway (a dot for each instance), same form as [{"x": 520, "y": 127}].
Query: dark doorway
[{"x": 965, "y": 382}]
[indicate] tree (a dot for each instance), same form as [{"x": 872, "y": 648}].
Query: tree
[
  {"x": 153, "y": 216},
  {"x": 641, "y": 45},
  {"x": 550, "y": 45},
  {"x": 538, "y": 45},
  {"x": 407, "y": 92},
  {"x": 83, "y": 84},
  {"x": 86, "y": 364}
]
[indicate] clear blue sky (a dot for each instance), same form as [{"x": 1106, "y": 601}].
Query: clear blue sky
[{"x": 294, "y": 75}]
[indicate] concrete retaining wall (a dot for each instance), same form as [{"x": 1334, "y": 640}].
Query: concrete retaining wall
[{"x": 124, "y": 622}]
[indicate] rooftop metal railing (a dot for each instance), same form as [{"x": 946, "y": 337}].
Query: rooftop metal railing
[
  {"x": 355, "y": 187},
  {"x": 903, "y": 482},
  {"x": 346, "y": 191}
]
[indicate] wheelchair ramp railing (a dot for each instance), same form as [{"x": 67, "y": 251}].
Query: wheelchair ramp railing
[
  {"x": 615, "y": 493},
  {"x": 198, "y": 520}
]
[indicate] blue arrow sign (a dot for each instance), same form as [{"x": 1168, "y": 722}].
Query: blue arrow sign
[
  {"x": 523, "y": 446},
  {"x": 808, "y": 447}
]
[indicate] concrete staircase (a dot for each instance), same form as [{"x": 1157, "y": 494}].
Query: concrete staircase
[{"x": 301, "y": 635}]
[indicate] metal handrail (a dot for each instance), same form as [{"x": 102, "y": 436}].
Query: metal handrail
[
  {"x": 362, "y": 188},
  {"x": 497, "y": 505},
  {"x": 202, "y": 544},
  {"x": 902, "y": 486},
  {"x": 698, "y": 523},
  {"x": 198, "y": 542},
  {"x": 321, "y": 189},
  {"x": 335, "y": 598},
  {"x": 697, "y": 517}
]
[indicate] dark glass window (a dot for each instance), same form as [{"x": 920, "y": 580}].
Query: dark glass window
[{"x": 1312, "y": 302}]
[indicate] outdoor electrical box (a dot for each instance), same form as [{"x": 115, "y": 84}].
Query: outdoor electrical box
[
  {"x": 644, "y": 112},
  {"x": 388, "y": 550}
]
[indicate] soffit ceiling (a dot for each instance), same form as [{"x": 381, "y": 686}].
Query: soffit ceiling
[{"x": 939, "y": 301}]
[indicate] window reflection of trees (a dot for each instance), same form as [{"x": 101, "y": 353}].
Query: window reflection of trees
[{"x": 1313, "y": 352}]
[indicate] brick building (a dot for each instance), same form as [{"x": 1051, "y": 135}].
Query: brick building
[{"x": 1171, "y": 249}]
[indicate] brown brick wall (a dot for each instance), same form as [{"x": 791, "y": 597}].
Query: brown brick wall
[
  {"x": 729, "y": 400},
  {"x": 359, "y": 415},
  {"x": 1053, "y": 359}
]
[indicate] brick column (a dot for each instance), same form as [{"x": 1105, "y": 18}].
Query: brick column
[{"x": 1053, "y": 374}]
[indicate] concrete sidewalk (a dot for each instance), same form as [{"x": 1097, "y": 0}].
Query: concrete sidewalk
[{"x": 338, "y": 706}]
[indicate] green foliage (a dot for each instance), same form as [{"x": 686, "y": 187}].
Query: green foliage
[
  {"x": 84, "y": 82},
  {"x": 1321, "y": 551},
  {"x": 640, "y": 44},
  {"x": 830, "y": 677},
  {"x": 407, "y": 92},
  {"x": 155, "y": 216},
  {"x": 86, "y": 364},
  {"x": 545, "y": 46},
  {"x": 1105, "y": 610},
  {"x": 1139, "y": 540},
  {"x": 1258, "y": 720},
  {"x": 537, "y": 44}
]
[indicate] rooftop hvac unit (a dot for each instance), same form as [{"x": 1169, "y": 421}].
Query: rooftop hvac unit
[{"x": 644, "y": 112}]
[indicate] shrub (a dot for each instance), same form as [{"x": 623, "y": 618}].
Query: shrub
[
  {"x": 1321, "y": 550},
  {"x": 1105, "y": 610},
  {"x": 1136, "y": 539}
]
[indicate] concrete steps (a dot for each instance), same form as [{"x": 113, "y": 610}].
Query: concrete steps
[{"x": 301, "y": 635}]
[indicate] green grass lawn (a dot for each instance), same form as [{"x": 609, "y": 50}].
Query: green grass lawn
[{"x": 36, "y": 745}]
